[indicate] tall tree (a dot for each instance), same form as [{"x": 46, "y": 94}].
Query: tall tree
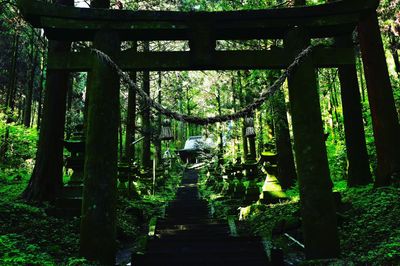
[
  {"x": 46, "y": 179},
  {"x": 41, "y": 86},
  {"x": 157, "y": 140},
  {"x": 383, "y": 111},
  {"x": 29, "y": 89},
  {"x": 10, "y": 96},
  {"x": 131, "y": 117},
  {"x": 146, "y": 118},
  {"x": 242, "y": 104}
]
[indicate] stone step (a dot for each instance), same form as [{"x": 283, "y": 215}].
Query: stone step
[
  {"x": 201, "y": 239},
  {"x": 201, "y": 260},
  {"x": 187, "y": 236},
  {"x": 170, "y": 221},
  {"x": 199, "y": 225}
]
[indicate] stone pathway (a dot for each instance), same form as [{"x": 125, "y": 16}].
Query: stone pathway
[{"x": 188, "y": 236}]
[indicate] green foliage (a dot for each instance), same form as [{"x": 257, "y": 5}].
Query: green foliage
[
  {"x": 371, "y": 231},
  {"x": 337, "y": 158},
  {"x": 21, "y": 144},
  {"x": 31, "y": 237},
  {"x": 14, "y": 252}
]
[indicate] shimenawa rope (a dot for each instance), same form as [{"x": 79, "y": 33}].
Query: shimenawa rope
[{"x": 248, "y": 110}]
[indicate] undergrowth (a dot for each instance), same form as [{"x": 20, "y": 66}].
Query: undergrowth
[
  {"x": 369, "y": 229},
  {"x": 28, "y": 236}
]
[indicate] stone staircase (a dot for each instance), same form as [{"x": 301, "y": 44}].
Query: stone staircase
[{"x": 188, "y": 236}]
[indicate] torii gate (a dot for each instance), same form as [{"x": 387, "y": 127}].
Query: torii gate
[{"x": 296, "y": 26}]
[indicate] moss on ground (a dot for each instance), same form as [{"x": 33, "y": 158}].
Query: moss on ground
[
  {"x": 369, "y": 228},
  {"x": 28, "y": 236}
]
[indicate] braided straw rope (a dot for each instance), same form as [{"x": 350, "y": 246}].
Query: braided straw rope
[{"x": 264, "y": 95}]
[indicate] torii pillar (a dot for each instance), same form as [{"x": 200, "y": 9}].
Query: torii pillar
[
  {"x": 98, "y": 221},
  {"x": 318, "y": 211}
]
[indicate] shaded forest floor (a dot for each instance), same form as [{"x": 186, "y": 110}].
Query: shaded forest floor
[
  {"x": 369, "y": 228},
  {"x": 28, "y": 236},
  {"x": 369, "y": 224}
]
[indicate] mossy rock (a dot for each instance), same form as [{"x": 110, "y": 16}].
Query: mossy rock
[{"x": 268, "y": 197}]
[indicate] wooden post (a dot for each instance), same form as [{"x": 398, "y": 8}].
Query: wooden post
[
  {"x": 97, "y": 240},
  {"x": 318, "y": 211},
  {"x": 357, "y": 156},
  {"x": 383, "y": 111}
]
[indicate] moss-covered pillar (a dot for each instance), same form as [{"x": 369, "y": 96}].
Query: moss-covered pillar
[
  {"x": 318, "y": 211},
  {"x": 383, "y": 111},
  {"x": 358, "y": 171},
  {"x": 97, "y": 239}
]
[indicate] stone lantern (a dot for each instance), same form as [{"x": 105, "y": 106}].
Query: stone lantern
[
  {"x": 166, "y": 132},
  {"x": 249, "y": 123},
  {"x": 76, "y": 146}
]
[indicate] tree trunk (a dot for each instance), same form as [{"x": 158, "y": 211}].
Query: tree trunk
[
  {"x": 70, "y": 92},
  {"x": 181, "y": 124},
  {"x": 146, "y": 122},
  {"x": 29, "y": 92},
  {"x": 131, "y": 118},
  {"x": 12, "y": 81},
  {"x": 157, "y": 140},
  {"x": 361, "y": 75},
  {"x": 221, "y": 140},
  {"x": 12, "y": 70},
  {"x": 46, "y": 179},
  {"x": 242, "y": 104},
  {"x": 41, "y": 86},
  {"x": 396, "y": 60},
  {"x": 10, "y": 98},
  {"x": 357, "y": 156},
  {"x": 383, "y": 111},
  {"x": 393, "y": 50},
  {"x": 318, "y": 211},
  {"x": 98, "y": 221}
]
